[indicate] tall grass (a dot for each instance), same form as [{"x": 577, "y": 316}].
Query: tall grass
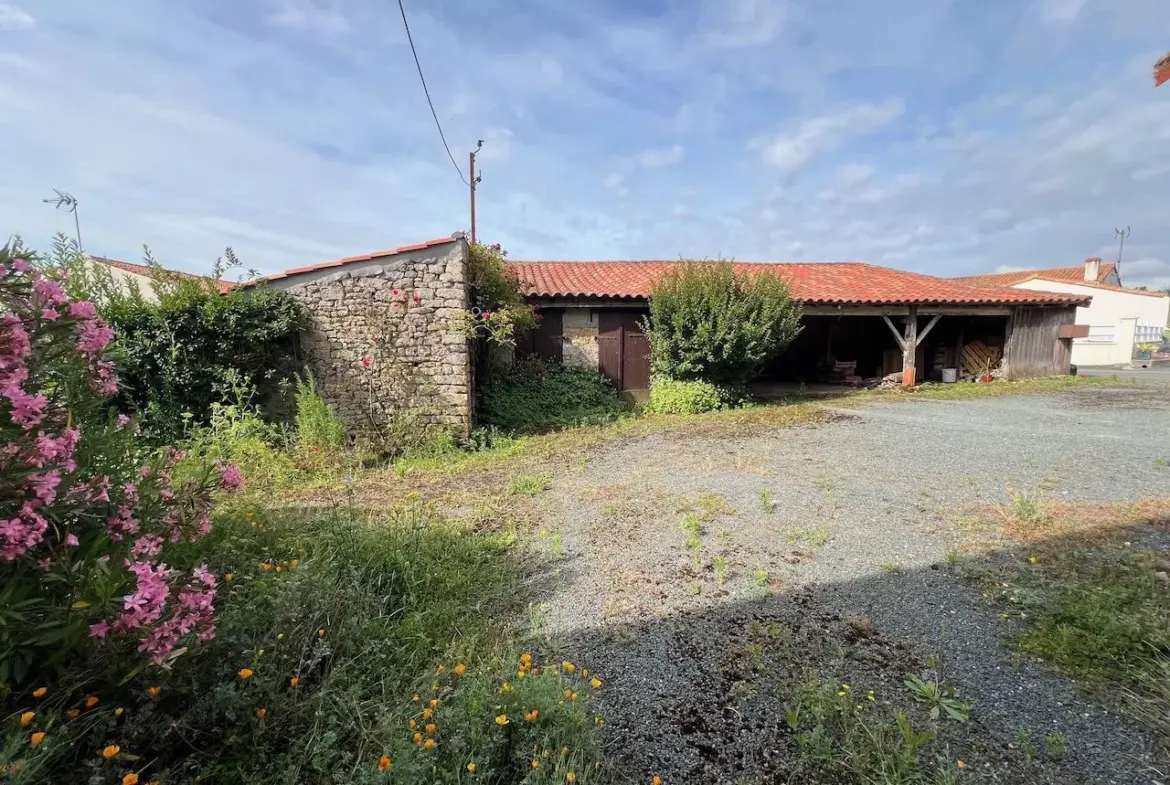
[{"x": 318, "y": 424}]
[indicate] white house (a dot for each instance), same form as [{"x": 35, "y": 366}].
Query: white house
[
  {"x": 129, "y": 275},
  {"x": 1118, "y": 318}
]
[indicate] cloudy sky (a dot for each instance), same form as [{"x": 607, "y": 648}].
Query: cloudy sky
[{"x": 948, "y": 137}]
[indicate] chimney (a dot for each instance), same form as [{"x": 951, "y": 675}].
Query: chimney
[{"x": 1092, "y": 269}]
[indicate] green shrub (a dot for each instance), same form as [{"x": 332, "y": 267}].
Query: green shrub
[
  {"x": 337, "y": 623},
  {"x": 318, "y": 424},
  {"x": 531, "y": 396},
  {"x": 176, "y": 353},
  {"x": 711, "y": 323},
  {"x": 86, "y": 518},
  {"x": 673, "y": 396}
]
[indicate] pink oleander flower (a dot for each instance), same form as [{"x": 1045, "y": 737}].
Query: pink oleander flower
[
  {"x": 99, "y": 630},
  {"x": 49, "y": 293},
  {"x": 117, "y": 526},
  {"x": 144, "y": 471},
  {"x": 28, "y": 411},
  {"x": 44, "y": 486},
  {"x": 123, "y": 421},
  {"x": 21, "y": 266},
  {"x": 82, "y": 310},
  {"x": 148, "y": 546},
  {"x": 93, "y": 336},
  {"x": 71, "y": 540},
  {"x": 105, "y": 381},
  {"x": 22, "y": 532},
  {"x": 230, "y": 477},
  {"x": 130, "y": 490},
  {"x": 50, "y": 315}
]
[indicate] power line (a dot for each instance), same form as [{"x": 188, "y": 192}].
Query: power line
[{"x": 427, "y": 92}]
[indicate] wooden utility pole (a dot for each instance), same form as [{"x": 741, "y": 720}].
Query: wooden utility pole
[{"x": 473, "y": 181}]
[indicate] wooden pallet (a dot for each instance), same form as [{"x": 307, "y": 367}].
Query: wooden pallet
[{"x": 979, "y": 358}]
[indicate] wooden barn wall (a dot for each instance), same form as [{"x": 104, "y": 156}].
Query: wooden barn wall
[{"x": 1033, "y": 346}]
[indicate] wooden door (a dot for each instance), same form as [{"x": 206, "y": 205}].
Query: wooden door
[{"x": 623, "y": 351}]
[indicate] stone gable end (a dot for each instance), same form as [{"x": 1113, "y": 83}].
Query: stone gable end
[{"x": 376, "y": 352}]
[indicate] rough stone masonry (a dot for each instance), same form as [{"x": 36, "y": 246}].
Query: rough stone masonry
[{"x": 379, "y": 339}]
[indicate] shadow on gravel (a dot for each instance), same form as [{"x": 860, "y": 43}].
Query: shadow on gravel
[{"x": 777, "y": 689}]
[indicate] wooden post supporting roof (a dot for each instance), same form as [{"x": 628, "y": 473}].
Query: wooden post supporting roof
[{"x": 908, "y": 342}]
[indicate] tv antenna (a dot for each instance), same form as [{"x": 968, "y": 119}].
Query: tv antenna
[{"x": 69, "y": 202}]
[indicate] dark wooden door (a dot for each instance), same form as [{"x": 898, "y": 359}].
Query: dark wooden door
[{"x": 623, "y": 351}]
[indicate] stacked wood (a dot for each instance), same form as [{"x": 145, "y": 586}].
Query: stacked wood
[{"x": 980, "y": 359}]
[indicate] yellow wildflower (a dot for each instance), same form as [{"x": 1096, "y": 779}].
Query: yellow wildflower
[
  {"x": 568, "y": 693},
  {"x": 595, "y": 682},
  {"x": 227, "y": 576},
  {"x": 471, "y": 767},
  {"x": 565, "y": 751},
  {"x": 570, "y": 777},
  {"x": 278, "y": 568},
  {"x": 598, "y": 720},
  {"x": 118, "y": 711},
  {"x": 111, "y": 751},
  {"x": 502, "y": 720},
  {"x": 535, "y": 763},
  {"x": 505, "y": 687},
  {"x": 572, "y": 696},
  {"x": 27, "y": 717},
  {"x": 321, "y": 633},
  {"x": 568, "y": 666}
]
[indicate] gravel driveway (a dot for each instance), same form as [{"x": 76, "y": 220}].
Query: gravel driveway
[{"x": 822, "y": 555}]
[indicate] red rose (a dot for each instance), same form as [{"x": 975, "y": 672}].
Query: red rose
[{"x": 365, "y": 362}]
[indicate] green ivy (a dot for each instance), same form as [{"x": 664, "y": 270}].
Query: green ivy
[{"x": 176, "y": 354}]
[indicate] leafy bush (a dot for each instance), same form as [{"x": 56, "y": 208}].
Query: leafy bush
[
  {"x": 84, "y": 518},
  {"x": 711, "y": 323},
  {"x": 532, "y": 396},
  {"x": 338, "y": 642},
  {"x": 176, "y": 354},
  {"x": 236, "y": 433},
  {"x": 674, "y": 396}
]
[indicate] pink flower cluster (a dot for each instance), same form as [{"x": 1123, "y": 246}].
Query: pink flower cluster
[{"x": 63, "y": 496}]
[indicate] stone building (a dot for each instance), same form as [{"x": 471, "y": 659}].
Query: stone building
[{"x": 380, "y": 340}]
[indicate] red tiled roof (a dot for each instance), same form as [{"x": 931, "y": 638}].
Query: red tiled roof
[
  {"x": 1066, "y": 274},
  {"x": 853, "y": 283},
  {"x": 352, "y": 259},
  {"x": 1162, "y": 71},
  {"x": 146, "y": 271}
]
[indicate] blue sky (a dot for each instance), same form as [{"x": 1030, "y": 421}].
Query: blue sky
[{"x": 948, "y": 137}]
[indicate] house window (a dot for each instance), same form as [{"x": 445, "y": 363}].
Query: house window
[{"x": 1100, "y": 333}]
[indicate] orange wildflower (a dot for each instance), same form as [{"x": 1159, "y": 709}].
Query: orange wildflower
[
  {"x": 656, "y": 781},
  {"x": 418, "y": 738},
  {"x": 295, "y": 563},
  {"x": 962, "y": 765},
  {"x": 73, "y": 713},
  {"x": 37, "y": 738},
  {"x": 111, "y": 751},
  {"x": 411, "y": 724},
  {"x": 434, "y": 703},
  {"x": 294, "y": 681},
  {"x": 431, "y": 728},
  {"x": 526, "y": 659},
  {"x": 130, "y": 779},
  {"x": 384, "y": 763},
  {"x": 262, "y": 713},
  {"x": 427, "y": 714},
  {"x": 153, "y": 691},
  {"x": 27, "y": 717},
  {"x": 321, "y": 633},
  {"x": 91, "y": 701},
  {"x": 415, "y": 697},
  {"x": 245, "y": 674},
  {"x": 265, "y": 566},
  {"x": 430, "y": 744},
  {"x": 459, "y": 669},
  {"x": 532, "y": 715},
  {"x": 40, "y": 692}
]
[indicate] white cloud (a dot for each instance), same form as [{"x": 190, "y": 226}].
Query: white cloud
[
  {"x": 14, "y": 18},
  {"x": 790, "y": 150},
  {"x": 660, "y": 157},
  {"x": 746, "y": 23},
  {"x": 851, "y": 175},
  {"x": 1060, "y": 12},
  {"x": 311, "y": 16}
]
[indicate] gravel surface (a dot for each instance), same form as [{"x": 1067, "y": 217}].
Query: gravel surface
[{"x": 835, "y": 536}]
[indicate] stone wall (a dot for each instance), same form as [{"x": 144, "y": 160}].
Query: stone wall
[
  {"x": 377, "y": 351},
  {"x": 579, "y": 332}
]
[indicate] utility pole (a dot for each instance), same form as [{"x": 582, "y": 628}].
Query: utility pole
[
  {"x": 1121, "y": 234},
  {"x": 474, "y": 181},
  {"x": 66, "y": 200}
]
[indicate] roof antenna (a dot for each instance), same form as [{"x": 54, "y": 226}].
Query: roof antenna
[
  {"x": 67, "y": 200},
  {"x": 1120, "y": 234}
]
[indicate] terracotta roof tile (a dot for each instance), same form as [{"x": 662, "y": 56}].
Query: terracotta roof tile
[
  {"x": 853, "y": 283},
  {"x": 147, "y": 271},
  {"x": 1066, "y": 274},
  {"x": 352, "y": 259}
]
